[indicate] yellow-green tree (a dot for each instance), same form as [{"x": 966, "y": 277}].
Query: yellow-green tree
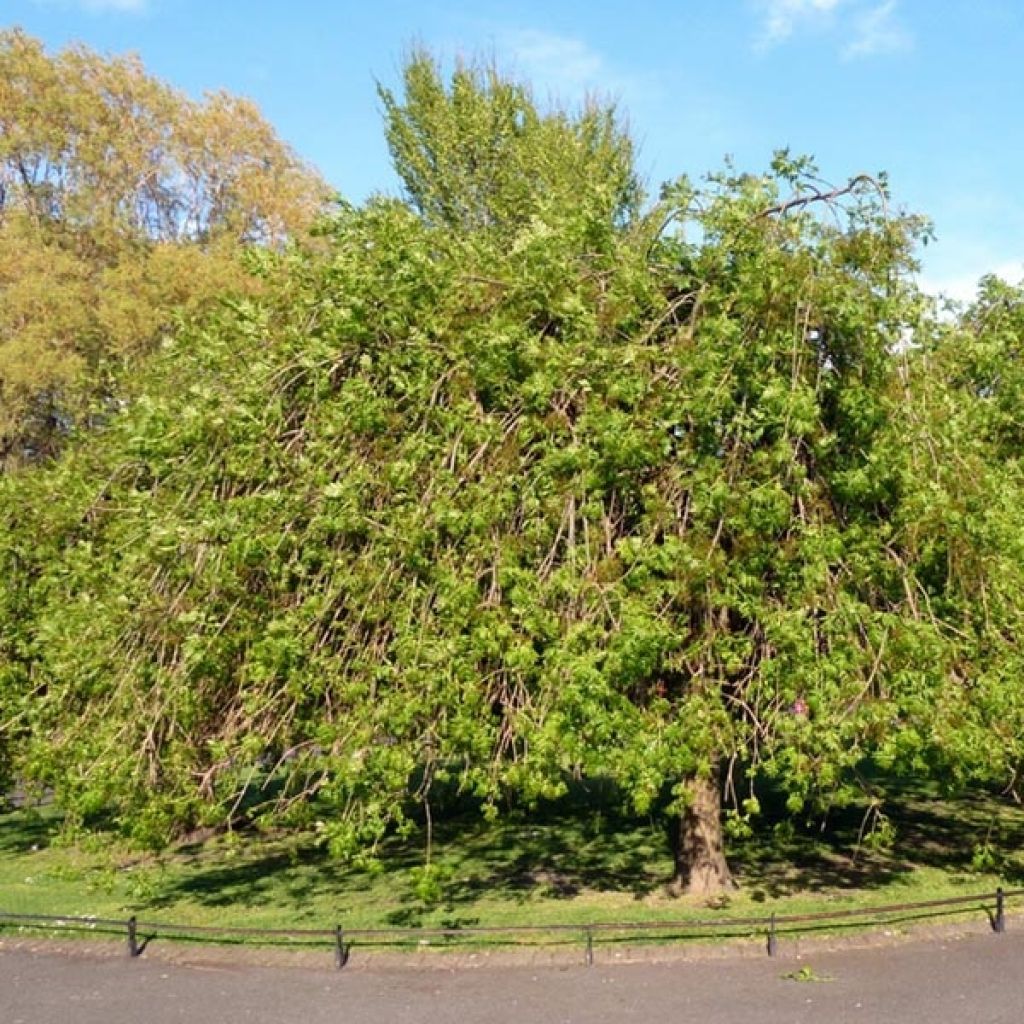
[{"x": 122, "y": 201}]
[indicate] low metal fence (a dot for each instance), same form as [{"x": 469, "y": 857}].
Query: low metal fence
[{"x": 138, "y": 934}]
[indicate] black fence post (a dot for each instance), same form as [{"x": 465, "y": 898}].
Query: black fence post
[
  {"x": 340, "y": 950},
  {"x": 773, "y": 942},
  {"x": 999, "y": 921},
  {"x": 133, "y": 942},
  {"x": 590, "y": 947}
]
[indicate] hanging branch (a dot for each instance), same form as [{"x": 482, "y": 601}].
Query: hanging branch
[{"x": 819, "y": 196}]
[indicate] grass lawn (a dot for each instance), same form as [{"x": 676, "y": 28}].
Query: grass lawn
[{"x": 576, "y": 863}]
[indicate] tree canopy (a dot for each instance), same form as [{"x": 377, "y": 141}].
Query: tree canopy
[{"x": 527, "y": 478}]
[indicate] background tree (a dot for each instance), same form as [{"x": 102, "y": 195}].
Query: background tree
[
  {"x": 122, "y": 202},
  {"x": 477, "y": 154}
]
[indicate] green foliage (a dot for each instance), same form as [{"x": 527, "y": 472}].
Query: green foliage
[
  {"x": 964, "y": 529},
  {"x": 478, "y": 155},
  {"x": 517, "y": 483}
]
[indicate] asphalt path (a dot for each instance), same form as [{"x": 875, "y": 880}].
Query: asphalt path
[{"x": 976, "y": 978}]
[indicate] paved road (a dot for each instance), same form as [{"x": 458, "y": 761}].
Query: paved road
[{"x": 977, "y": 979}]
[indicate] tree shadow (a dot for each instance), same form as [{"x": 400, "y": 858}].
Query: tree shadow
[
  {"x": 586, "y": 842},
  {"x": 554, "y": 851},
  {"x": 931, "y": 830},
  {"x": 26, "y": 830},
  {"x": 292, "y": 877}
]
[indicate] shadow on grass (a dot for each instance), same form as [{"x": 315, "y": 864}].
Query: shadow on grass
[
  {"x": 289, "y": 878},
  {"x": 585, "y": 843},
  {"x": 554, "y": 852},
  {"x": 26, "y": 830},
  {"x": 964, "y": 834}
]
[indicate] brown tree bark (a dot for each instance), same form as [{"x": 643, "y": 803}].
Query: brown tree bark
[{"x": 701, "y": 867}]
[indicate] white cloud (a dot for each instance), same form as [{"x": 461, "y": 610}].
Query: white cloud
[
  {"x": 875, "y": 31},
  {"x": 565, "y": 62},
  {"x": 781, "y": 18},
  {"x": 568, "y": 68},
  {"x": 963, "y": 286},
  {"x": 866, "y": 27}
]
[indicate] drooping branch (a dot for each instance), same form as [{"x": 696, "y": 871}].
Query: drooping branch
[{"x": 820, "y": 196}]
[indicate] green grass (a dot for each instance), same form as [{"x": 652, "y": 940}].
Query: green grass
[{"x": 575, "y": 863}]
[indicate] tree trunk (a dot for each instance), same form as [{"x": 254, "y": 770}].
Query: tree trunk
[{"x": 701, "y": 868}]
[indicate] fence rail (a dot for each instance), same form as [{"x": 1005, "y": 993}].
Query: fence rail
[{"x": 342, "y": 940}]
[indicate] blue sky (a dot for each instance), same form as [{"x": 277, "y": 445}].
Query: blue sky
[{"x": 928, "y": 90}]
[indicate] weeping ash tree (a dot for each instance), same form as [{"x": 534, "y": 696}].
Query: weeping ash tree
[{"x": 528, "y": 479}]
